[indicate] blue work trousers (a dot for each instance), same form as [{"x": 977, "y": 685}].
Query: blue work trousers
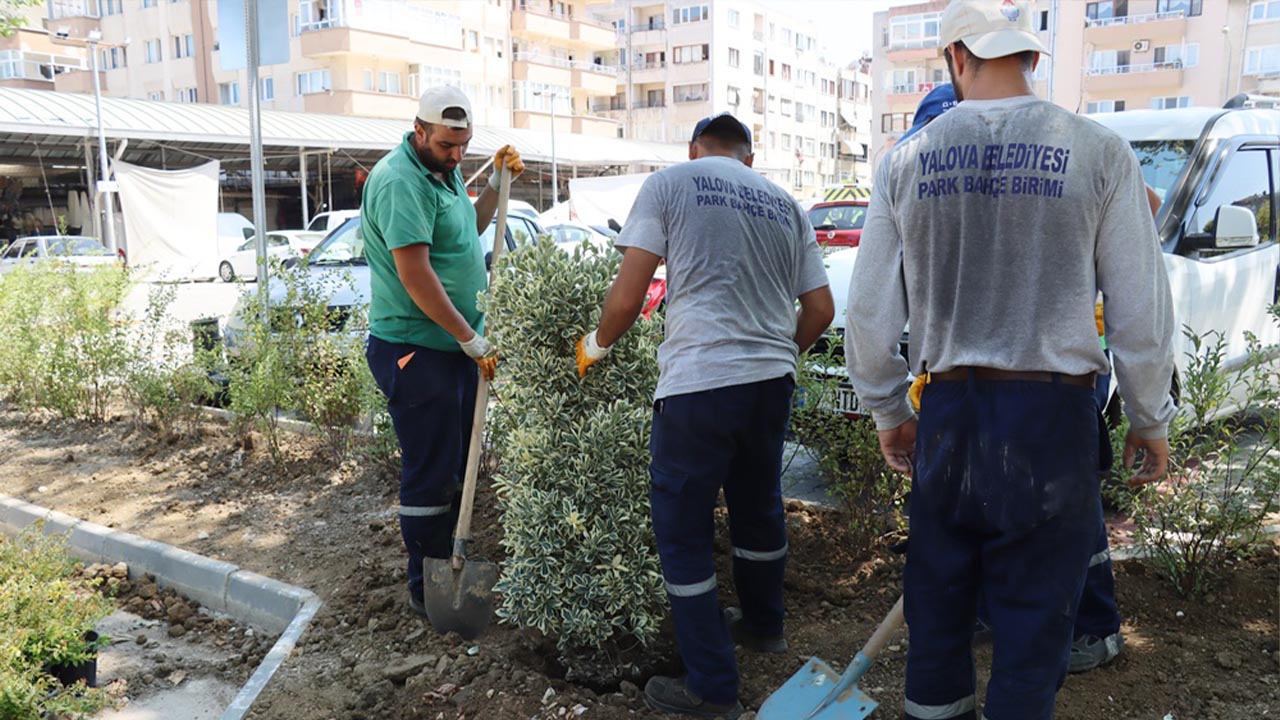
[
  {"x": 732, "y": 438},
  {"x": 431, "y": 397},
  {"x": 1004, "y": 504}
]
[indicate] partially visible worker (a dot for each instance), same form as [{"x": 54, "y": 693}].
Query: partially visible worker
[
  {"x": 739, "y": 252},
  {"x": 966, "y": 228},
  {"x": 426, "y": 334}
]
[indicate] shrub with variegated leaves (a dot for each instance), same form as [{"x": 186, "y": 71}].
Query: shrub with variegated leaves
[{"x": 581, "y": 565}]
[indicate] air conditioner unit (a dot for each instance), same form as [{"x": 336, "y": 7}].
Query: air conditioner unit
[{"x": 1141, "y": 45}]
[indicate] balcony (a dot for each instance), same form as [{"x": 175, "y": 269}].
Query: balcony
[
  {"x": 360, "y": 103},
  {"x": 77, "y": 81},
  {"x": 36, "y": 70},
  {"x": 592, "y": 35},
  {"x": 902, "y": 51},
  {"x": 340, "y": 26},
  {"x": 547, "y": 69},
  {"x": 1121, "y": 31},
  {"x": 595, "y": 125},
  {"x": 1122, "y": 77},
  {"x": 641, "y": 35},
  {"x": 535, "y": 20},
  {"x": 595, "y": 79}
]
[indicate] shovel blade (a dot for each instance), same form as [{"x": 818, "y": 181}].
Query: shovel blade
[
  {"x": 459, "y": 601},
  {"x": 803, "y": 696}
]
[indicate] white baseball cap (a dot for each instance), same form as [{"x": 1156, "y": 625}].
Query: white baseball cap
[
  {"x": 436, "y": 100},
  {"x": 991, "y": 28}
]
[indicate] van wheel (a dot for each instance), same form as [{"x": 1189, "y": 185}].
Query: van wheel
[{"x": 225, "y": 272}]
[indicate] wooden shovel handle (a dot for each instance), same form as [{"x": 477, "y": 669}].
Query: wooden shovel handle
[
  {"x": 887, "y": 628},
  {"x": 462, "y": 533}
]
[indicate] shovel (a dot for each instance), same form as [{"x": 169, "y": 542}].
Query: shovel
[
  {"x": 817, "y": 692},
  {"x": 458, "y": 592}
]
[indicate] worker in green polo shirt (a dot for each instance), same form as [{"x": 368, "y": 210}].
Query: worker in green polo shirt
[{"x": 426, "y": 333}]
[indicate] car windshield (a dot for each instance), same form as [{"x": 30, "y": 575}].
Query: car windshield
[
  {"x": 76, "y": 245},
  {"x": 345, "y": 246},
  {"x": 1162, "y": 162},
  {"x": 838, "y": 217}
]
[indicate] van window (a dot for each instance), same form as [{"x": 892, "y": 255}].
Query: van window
[
  {"x": 15, "y": 251},
  {"x": 1162, "y": 161},
  {"x": 1245, "y": 181},
  {"x": 319, "y": 223}
]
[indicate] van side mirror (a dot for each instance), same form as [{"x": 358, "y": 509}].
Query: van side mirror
[{"x": 1235, "y": 227}]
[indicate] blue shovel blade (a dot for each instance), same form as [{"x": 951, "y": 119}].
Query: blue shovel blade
[{"x": 807, "y": 690}]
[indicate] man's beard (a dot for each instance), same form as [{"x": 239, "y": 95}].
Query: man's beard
[
  {"x": 429, "y": 160},
  {"x": 951, "y": 71}
]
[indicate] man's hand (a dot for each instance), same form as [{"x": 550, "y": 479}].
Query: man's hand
[
  {"x": 589, "y": 352},
  {"x": 509, "y": 158},
  {"x": 1155, "y": 458},
  {"x": 899, "y": 446},
  {"x": 484, "y": 353}
]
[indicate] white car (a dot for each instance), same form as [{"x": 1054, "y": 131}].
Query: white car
[
  {"x": 76, "y": 250},
  {"x": 1216, "y": 172},
  {"x": 281, "y": 245},
  {"x": 326, "y": 222},
  {"x": 570, "y": 234}
]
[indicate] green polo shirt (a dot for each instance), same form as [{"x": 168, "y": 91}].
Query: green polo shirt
[{"x": 404, "y": 204}]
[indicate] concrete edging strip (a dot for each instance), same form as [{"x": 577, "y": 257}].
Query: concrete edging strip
[{"x": 250, "y": 598}]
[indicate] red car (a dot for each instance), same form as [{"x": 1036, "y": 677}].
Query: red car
[{"x": 837, "y": 220}]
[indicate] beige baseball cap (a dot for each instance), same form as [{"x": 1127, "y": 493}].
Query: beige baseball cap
[
  {"x": 436, "y": 100},
  {"x": 991, "y": 28}
]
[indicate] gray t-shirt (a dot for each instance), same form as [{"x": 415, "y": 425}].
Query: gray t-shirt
[
  {"x": 994, "y": 228},
  {"x": 739, "y": 251}
]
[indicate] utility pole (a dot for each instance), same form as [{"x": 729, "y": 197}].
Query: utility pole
[
  {"x": 255, "y": 146},
  {"x": 631, "y": 61},
  {"x": 105, "y": 188}
]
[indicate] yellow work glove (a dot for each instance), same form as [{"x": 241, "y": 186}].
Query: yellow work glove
[
  {"x": 917, "y": 391},
  {"x": 1097, "y": 320},
  {"x": 509, "y": 158},
  {"x": 589, "y": 352},
  {"x": 484, "y": 353}
]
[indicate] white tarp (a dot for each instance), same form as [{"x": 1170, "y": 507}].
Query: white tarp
[
  {"x": 170, "y": 218},
  {"x": 597, "y": 200}
]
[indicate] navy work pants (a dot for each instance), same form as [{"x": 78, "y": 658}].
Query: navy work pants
[
  {"x": 1004, "y": 504},
  {"x": 732, "y": 438},
  {"x": 431, "y": 397}
]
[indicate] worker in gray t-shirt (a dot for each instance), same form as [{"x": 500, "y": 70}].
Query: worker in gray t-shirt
[
  {"x": 739, "y": 252},
  {"x": 996, "y": 225}
]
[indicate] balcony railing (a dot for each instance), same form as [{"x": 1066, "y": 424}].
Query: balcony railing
[
  {"x": 1135, "y": 69},
  {"x": 392, "y": 17},
  {"x": 565, "y": 63},
  {"x": 911, "y": 88},
  {"x": 23, "y": 65},
  {"x": 541, "y": 7},
  {"x": 1135, "y": 19},
  {"x": 73, "y": 9},
  {"x": 651, "y": 65},
  {"x": 915, "y": 44}
]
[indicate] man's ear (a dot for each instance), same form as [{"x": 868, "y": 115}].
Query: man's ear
[
  {"x": 693, "y": 151},
  {"x": 749, "y": 160}
]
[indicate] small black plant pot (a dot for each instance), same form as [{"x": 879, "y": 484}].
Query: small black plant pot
[{"x": 87, "y": 671}]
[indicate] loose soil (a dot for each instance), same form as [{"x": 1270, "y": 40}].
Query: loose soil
[{"x": 332, "y": 528}]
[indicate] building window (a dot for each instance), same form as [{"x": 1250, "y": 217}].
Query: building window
[
  {"x": 1105, "y": 106},
  {"x": 1178, "y": 56},
  {"x": 153, "y": 51},
  {"x": 148, "y": 3},
  {"x": 896, "y": 122},
  {"x": 691, "y": 53},
  {"x": 539, "y": 97},
  {"x": 183, "y": 46},
  {"x": 389, "y": 82},
  {"x": 1043, "y": 24},
  {"x": 1262, "y": 60},
  {"x": 735, "y": 19},
  {"x": 110, "y": 7},
  {"x": 186, "y": 95},
  {"x": 757, "y": 101},
  {"x": 1109, "y": 62},
  {"x": 786, "y": 107},
  {"x": 1189, "y": 8},
  {"x": 786, "y": 71},
  {"x": 733, "y": 96},
  {"x": 159, "y": 96},
  {"x": 915, "y": 31},
  {"x": 757, "y": 64},
  {"x": 366, "y": 76},
  {"x": 1170, "y": 103},
  {"x": 229, "y": 93},
  {"x": 735, "y": 58},
  {"x": 433, "y": 75},
  {"x": 695, "y": 13},
  {"x": 786, "y": 141},
  {"x": 313, "y": 81},
  {"x": 1107, "y": 9},
  {"x": 1262, "y": 11},
  {"x": 268, "y": 89},
  {"x": 696, "y": 92},
  {"x": 113, "y": 58}
]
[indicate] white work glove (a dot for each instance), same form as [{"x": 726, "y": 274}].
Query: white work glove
[
  {"x": 589, "y": 351},
  {"x": 484, "y": 353}
]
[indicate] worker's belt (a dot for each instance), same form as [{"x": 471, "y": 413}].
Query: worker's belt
[{"x": 979, "y": 373}]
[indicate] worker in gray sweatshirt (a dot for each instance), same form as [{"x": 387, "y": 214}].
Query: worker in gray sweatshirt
[{"x": 993, "y": 229}]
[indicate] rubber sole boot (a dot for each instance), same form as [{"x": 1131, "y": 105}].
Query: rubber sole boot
[
  {"x": 1090, "y": 652},
  {"x": 671, "y": 695},
  {"x": 417, "y": 606},
  {"x": 733, "y": 617}
]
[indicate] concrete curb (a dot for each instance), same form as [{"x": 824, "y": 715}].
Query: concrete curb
[{"x": 268, "y": 604}]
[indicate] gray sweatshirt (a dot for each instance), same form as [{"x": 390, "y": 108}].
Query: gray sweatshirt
[{"x": 993, "y": 230}]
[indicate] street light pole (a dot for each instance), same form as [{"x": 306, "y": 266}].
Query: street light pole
[
  {"x": 555, "y": 185},
  {"x": 255, "y": 144},
  {"x": 104, "y": 186}
]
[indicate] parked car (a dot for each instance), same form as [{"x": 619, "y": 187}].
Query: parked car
[
  {"x": 233, "y": 230},
  {"x": 76, "y": 250},
  {"x": 327, "y": 222},
  {"x": 837, "y": 219},
  {"x": 1216, "y": 172},
  {"x": 281, "y": 245},
  {"x": 571, "y": 233}
]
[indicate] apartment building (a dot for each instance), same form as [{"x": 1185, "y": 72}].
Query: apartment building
[
  {"x": 30, "y": 59},
  {"x": 853, "y": 156},
  {"x": 1108, "y": 56},
  {"x": 516, "y": 59},
  {"x": 679, "y": 61}
]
